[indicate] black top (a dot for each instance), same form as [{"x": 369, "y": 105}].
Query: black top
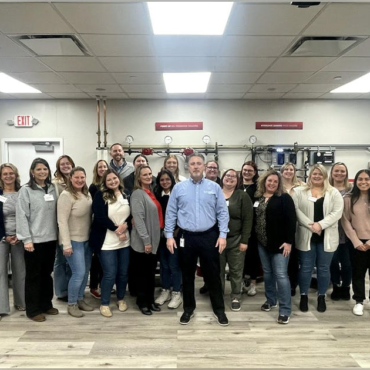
[
  {"x": 93, "y": 190},
  {"x": 318, "y": 215},
  {"x": 128, "y": 183},
  {"x": 250, "y": 189}
]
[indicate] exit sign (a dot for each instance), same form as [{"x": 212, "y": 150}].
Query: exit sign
[{"x": 23, "y": 121}]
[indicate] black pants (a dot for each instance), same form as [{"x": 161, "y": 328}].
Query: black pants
[
  {"x": 293, "y": 267},
  {"x": 360, "y": 264},
  {"x": 39, "y": 283},
  {"x": 202, "y": 246},
  {"x": 252, "y": 262},
  {"x": 96, "y": 272},
  {"x": 144, "y": 276}
]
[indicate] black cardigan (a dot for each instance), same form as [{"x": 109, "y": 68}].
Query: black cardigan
[
  {"x": 2, "y": 225},
  {"x": 280, "y": 222},
  {"x": 101, "y": 222}
]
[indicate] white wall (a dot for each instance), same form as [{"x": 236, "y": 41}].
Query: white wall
[{"x": 227, "y": 122}]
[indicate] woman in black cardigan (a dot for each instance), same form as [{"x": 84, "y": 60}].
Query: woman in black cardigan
[{"x": 275, "y": 224}]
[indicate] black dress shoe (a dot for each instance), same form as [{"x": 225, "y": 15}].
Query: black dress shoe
[
  {"x": 155, "y": 307},
  {"x": 203, "y": 289},
  {"x": 146, "y": 311}
]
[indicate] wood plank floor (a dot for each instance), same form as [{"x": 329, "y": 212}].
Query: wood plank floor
[{"x": 335, "y": 339}]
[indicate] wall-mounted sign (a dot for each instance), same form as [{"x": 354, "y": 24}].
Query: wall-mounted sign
[
  {"x": 279, "y": 125},
  {"x": 171, "y": 126},
  {"x": 23, "y": 121}
]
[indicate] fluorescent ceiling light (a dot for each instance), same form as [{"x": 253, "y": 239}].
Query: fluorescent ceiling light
[
  {"x": 190, "y": 18},
  {"x": 177, "y": 83},
  {"x": 12, "y": 86},
  {"x": 360, "y": 85}
]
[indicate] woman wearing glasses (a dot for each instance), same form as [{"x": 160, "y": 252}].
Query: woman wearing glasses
[{"x": 241, "y": 218}]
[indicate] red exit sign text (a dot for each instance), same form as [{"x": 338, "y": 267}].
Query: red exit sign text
[{"x": 23, "y": 121}]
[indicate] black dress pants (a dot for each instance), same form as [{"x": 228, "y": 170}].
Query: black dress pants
[
  {"x": 39, "y": 283},
  {"x": 201, "y": 245},
  {"x": 96, "y": 272},
  {"x": 360, "y": 264}
]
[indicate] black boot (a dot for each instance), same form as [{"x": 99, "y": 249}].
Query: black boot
[
  {"x": 336, "y": 295},
  {"x": 303, "y": 304},
  {"x": 321, "y": 304},
  {"x": 345, "y": 293}
]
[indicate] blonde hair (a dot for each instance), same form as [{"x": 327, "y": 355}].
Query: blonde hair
[
  {"x": 347, "y": 184},
  {"x": 137, "y": 182},
  {"x": 295, "y": 180},
  {"x": 17, "y": 184},
  {"x": 72, "y": 190},
  {"x": 177, "y": 172},
  {"x": 261, "y": 185},
  {"x": 322, "y": 169},
  {"x": 97, "y": 180}
]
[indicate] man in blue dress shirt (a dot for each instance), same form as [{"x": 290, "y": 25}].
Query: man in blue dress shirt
[{"x": 198, "y": 207}]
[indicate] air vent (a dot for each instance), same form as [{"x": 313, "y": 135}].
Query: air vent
[
  {"x": 323, "y": 46},
  {"x": 53, "y": 45}
]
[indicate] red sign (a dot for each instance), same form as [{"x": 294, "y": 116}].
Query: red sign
[
  {"x": 171, "y": 126},
  {"x": 279, "y": 125},
  {"x": 23, "y": 121}
]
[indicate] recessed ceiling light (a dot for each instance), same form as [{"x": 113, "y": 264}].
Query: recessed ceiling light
[
  {"x": 360, "y": 85},
  {"x": 10, "y": 85},
  {"x": 336, "y": 78},
  {"x": 177, "y": 83},
  {"x": 100, "y": 89},
  {"x": 189, "y": 18}
]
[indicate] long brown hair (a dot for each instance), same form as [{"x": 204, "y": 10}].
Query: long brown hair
[
  {"x": 97, "y": 180},
  {"x": 137, "y": 183},
  {"x": 108, "y": 194},
  {"x": 58, "y": 174},
  {"x": 72, "y": 190},
  {"x": 261, "y": 187}
]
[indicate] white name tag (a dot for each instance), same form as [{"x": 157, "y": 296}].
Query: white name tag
[
  {"x": 227, "y": 203},
  {"x": 312, "y": 199},
  {"x": 48, "y": 197},
  {"x": 3, "y": 199},
  {"x": 256, "y": 204},
  {"x": 182, "y": 242}
]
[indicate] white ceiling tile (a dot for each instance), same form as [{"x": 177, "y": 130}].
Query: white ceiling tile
[
  {"x": 351, "y": 19},
  {"x": 31, "y": 96},
  {"x": 70, "y": 95},
  {"x": 9, "y": 48},
  {"x": 187, "y": 64},
  {"x": 187, "y": 45},
  {"x": 93, "y": 88},
  {"x": 224, "y": 64},
  {"x": 129, "y": 64},
  {"x": 5, "y": 96},
  {"x": 33, "y": 18},
  {"x": 364, "y": 96},
  {"x": 269, "y": 19},
  {"x": 314, "y": 88},
  {"x": 302, "y": 95},
  {"x": 18, "y": 64},
  {"x": 38, "y": 77},
  {"x": 298, "y": 64},
  {"x": 119, "y": 45},
  {"x": 111, "y": 95},
  {"x": 224, "y": 95},
  {"x": 56, "y": 88},
  {"x": 234, "y": 78},
  {"x": 349, "y": 64},
  {"x": 73, "y": 64},
  {"x": 228, "y": 88},
  {"x": 340, "y": 96},
  {"x": 255, "y": 46},
  {"x": 272, "y": 88},
  {"x": 148, "y": 96},
  {"x": 88, "y": 78},
  {"x": 296, "y": 77},
  {"x": 362, "y": 50},
  {"x": 186, "y": 96},
  {"x": 138, "y": 78},
  {"x": 328, "y": 77},
  {"x": 144, "y": 88},
  {"x": 263, "y": 95},
  {"x": 129, "y": 18}
]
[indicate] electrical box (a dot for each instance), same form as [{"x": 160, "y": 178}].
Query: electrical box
[
  {"x": 280, "y": 159},
  {"x": 323, "y": 157},
  {"x": 293, "y": 158}
]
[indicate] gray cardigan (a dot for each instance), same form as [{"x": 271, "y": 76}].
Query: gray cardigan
[{"x": 146, "y": 229}]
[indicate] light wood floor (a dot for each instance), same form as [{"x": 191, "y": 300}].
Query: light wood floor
[{"x": 253, "y": 339}]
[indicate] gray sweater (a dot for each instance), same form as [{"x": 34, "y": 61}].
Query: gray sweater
[
  {"x": 36, "y": 218},
  {"x": 146, "y": 228}
]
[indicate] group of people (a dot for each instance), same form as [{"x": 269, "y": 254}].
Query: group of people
[{"x": 118, "y": 228}]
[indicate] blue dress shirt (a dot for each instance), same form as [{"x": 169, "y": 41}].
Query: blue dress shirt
[{"x": 196, "y": 207}]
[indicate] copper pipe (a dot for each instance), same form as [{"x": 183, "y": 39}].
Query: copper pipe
[
  {"x": 105, "y": 121},
  {"x": 98, "y": 113}
]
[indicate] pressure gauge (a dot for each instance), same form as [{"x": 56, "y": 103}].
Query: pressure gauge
[
  {"x": 168, "y": 140},
  {"x": 206, "y": 139},
  {"x": 129, "y": 139},
  {"x": 253, "y": 139}
]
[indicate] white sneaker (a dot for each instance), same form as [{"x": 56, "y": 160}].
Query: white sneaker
[
  {"x": 252, "y": 291},
  {"x": 358, "y": 310},
  {"x": 176, "y": 300},
  {"x": 163, "y": 297}
]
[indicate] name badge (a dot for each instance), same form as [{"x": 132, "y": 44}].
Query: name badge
[
  {"x": 48, "y": 197},
  {"x": 227, "y": 203},
  {"x": 182, "y": 242},
  {"x": 256, "y": 204},
  {"x": 124, "y": 201},
  {"x": 3, "y": 199},
  {"x": 312, "y": 199}
]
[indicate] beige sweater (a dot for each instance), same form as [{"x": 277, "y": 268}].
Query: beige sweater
[
  {"x": 356, "y": 225},
  {"x": 74, "y": 218}
]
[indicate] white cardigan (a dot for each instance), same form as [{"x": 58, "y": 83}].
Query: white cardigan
[{"x": 333, "y": 209}]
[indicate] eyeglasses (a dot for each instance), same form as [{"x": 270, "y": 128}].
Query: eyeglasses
[
  {"x": 212, "y": 168},
  {"x": 230, "y": 176}
]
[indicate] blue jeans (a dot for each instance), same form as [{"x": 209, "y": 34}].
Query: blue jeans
[
  {"x": 62, "y": 273},
  {"x": 307, "y": 260},
  {"x": 79, "y": 262},
  {"x": 169, "y": 267},
  {"x": 115, "y": 270},
  {"x": 340, "y": 268},
  {"x": 277, "y": 284}
]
